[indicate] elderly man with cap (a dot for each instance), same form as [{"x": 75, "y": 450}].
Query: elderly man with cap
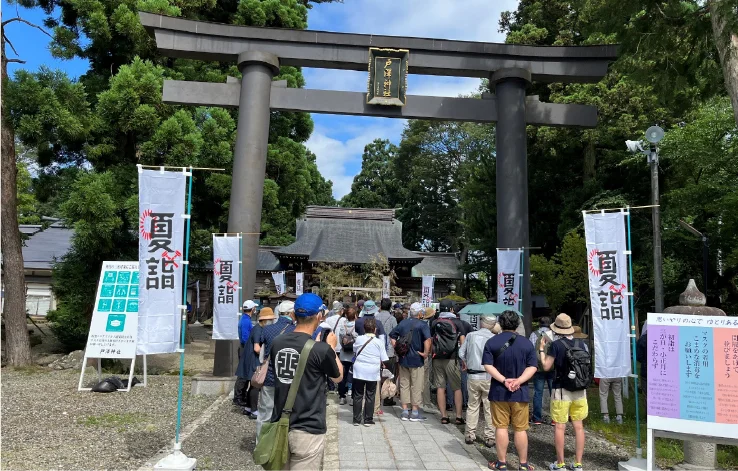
[
  {"x": 412, "y": 342},
  {"x": 307, "y": 417},
  {"x": 285, "y": 324},
  {"x": 566, "y": 401},
  {"x": 241, "y": 388}
]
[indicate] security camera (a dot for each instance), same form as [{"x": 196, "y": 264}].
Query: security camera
[{"x": 634, "y": 146}]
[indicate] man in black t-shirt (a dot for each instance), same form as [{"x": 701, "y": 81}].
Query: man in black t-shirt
[{"x": 307, "y": 419}]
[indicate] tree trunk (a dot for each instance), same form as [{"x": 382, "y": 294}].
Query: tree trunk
[
  {"x": 17, "y": 343},
  {"x": 727, "y": 46}
]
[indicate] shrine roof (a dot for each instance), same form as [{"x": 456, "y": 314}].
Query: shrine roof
[{"x": 348, "y": 235}]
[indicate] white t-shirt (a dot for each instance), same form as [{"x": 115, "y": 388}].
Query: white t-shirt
[{"x": 367, "y": 364}]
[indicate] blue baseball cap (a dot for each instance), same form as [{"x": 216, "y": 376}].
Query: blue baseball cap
[{"x": 308, "y": 304}]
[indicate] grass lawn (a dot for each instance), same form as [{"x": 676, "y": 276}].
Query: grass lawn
[{"x": 668, "y": 452}]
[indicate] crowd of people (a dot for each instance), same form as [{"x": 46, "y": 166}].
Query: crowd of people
[{"x": 373, "y": 355}]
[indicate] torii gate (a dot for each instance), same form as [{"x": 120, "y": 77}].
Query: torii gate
[{"x": 259, "y": 52}]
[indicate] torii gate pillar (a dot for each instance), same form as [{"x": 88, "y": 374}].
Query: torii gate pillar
[
  {"x": 512, "y": 171},
  {"x": 247, "y": 187}
]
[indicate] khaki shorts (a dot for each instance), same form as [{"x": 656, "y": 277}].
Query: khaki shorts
[
  {"x": 565, "y": 404},
  {"x": 447, "y": 372},
  {"x": 506, "y": 413}
]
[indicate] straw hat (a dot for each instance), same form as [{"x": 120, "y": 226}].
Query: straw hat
[
  {"x": 266, "y": 314},
  {"x": 429, "y": 313},
  {"x": 578, "y": 333},
  {"x": 562, "y": 325}
]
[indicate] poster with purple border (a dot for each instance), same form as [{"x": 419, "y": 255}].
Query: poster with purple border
[{"x": 693, "y": 374}]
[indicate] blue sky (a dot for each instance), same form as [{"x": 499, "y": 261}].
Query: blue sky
[{"x": 338, "y": 141}]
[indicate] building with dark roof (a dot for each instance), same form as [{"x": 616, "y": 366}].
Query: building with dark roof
[
  {"x": 347, "y": 236},
  {"x": 357, "y": 236},
  {"x": 41, "y": 248}
]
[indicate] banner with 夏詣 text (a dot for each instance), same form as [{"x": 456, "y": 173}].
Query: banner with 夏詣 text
[
  {"x": 608, "y": 281},
  {"x": 426, "y": 295},
  {"x": 299, "y": 283},
  {"x": 508, "y": 277},
  {"x": 226, "y": 286},
  {"x": 161, "y": 203}
]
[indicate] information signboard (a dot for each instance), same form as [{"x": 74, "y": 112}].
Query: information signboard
[
  {"x": 114, "y": 327},
  {"x": 693, "y": 374}
]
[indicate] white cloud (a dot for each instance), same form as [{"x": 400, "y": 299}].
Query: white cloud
[{"x": 333, "y": 155}]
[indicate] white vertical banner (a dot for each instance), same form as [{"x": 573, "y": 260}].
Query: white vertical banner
[
  {"x": 279, "y": 283},
  {"x": 509, "y": 278},
  {"x": 299, "y": 283},
  {"x": 426, "y": 296},
  {"x": 608, "y": 280},
  {"x": 161, "y": 206},
  {"x": 226, "y": 286},
  {"x": 385, "y": 287}
]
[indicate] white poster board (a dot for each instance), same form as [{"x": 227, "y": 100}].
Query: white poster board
[
  {"x": 114, "y": 328},
  {"x": 692, "y": 377},
  {"x": 385, "y": 287}
]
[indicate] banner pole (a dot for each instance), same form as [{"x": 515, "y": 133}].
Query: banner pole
[
  {"x": 183, "y": 328},
  {"x": 240, "y": 272},
  {"x": 522, "y": 279},
  {"x": 639, "y": 449}
]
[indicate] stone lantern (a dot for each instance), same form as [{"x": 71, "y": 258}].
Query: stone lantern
[{"x": 692, "y": 302}]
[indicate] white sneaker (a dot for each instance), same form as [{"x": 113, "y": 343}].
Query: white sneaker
[
  {"x": 342, "y": 401},
  {"x": 351, "y": 401}
]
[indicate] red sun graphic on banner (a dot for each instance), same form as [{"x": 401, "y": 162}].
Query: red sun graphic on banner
[
  {"x": 216, "y": 267},
  {"x": 144, "y": 224},
  {"x": 593, "y": 261}
]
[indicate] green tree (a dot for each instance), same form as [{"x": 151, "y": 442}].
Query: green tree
[
  {"x": 700, "y": 161},
  {"x": 376, "y": 185},
  {"x": 115, "y": 118}
]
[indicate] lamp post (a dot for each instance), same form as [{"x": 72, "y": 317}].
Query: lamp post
[
  {"x": 654, "y": 134},
  {"x": 705, "y": 251}
]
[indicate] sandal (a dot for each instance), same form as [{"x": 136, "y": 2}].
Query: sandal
[
  {"x": 489, "y": 443},
  {"x": 526, "y": 467},
  {"x": 499, "y": 465},
  {"x": 459, "y": 421},
  {"x": 445, "y": 420}
]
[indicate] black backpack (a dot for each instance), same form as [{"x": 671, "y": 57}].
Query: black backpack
[
  {"x": 445, "y": 339},
  {"x": 579, "y": 361},
  {"x": 404, "y": 344}
]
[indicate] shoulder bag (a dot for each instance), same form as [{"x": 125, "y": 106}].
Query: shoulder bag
[
  {"x": 273, "y": 450},
  {"x": 257, "y": 380}
]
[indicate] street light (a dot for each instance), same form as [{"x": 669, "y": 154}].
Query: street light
[
  {"x": 705, "y": 250},
  {"x": 654, "y": 134}
]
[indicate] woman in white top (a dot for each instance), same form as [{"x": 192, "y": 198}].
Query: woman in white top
[
  {"x": 370, "y": 353},
  {"x": 345, "y": 348}
]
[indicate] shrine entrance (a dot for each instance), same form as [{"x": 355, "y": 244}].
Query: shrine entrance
[{"x": 259, "y": 52}]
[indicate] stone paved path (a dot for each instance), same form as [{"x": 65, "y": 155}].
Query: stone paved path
[{"x": 396, "y": 444}]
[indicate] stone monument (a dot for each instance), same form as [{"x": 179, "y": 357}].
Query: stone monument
[{"x": 697, "y": 455}]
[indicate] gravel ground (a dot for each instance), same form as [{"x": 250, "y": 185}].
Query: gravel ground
[
  {"x": 48, "y": 424},
  {"x": 599, "y": 453},
  {"x": 235, "y": 434}
]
